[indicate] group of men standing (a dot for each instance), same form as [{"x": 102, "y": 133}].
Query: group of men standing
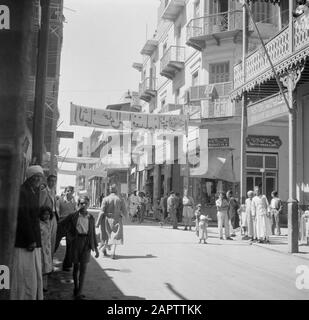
[
  {"x": 26, "y": 275},
  {"x": 259, "y": 218}
]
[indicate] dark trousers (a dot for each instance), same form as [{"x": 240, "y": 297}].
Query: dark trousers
[{"x": 67, "y": 262}]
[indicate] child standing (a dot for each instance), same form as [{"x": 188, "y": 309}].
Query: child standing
[
  {"x": 201, "y": 223},
  {"x": 46, "y": 252}
]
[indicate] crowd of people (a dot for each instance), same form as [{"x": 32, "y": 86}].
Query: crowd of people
[{"x": 44, "y": 219}]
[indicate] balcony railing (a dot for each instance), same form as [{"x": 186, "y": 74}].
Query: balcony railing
[
  {"x": 147, "y": 88},
  {"x": 214, "y": 24},
  {"x": 213, "y": 99},
  {"x": 172, "y": 61},
  {"x": 218, "y": 108},
  {"x": 210, "y": 91},
  {"x": 279, "y": 51}
]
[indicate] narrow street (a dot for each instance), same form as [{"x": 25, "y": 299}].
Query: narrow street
[{"x": 161, "y": 263}]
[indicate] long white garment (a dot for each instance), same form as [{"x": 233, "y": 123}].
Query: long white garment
[
  {"x": 26, "y": 275},
  {"x": 250, "y": 221},
  {"x": 260, "y": 211}
]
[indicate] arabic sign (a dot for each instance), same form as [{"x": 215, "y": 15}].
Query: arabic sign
[
  {"x": 264, "y": 141},
  {"x": 218, "y": 142},
  {"x": 266, "y": 110},
  {"x": 119, "y": 120}
]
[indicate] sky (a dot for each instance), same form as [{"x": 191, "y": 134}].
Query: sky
[{"x": 101, "y": 40}]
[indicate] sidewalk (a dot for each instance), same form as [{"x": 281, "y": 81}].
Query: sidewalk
[
  {"x": 277, "y": 243},
  {"x": 98, "y": 283}
]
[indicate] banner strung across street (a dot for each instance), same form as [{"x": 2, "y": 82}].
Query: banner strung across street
[{"x": 120, "y": 120}]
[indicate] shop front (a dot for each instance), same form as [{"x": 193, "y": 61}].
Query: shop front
[{"x": 220, "y": 176}]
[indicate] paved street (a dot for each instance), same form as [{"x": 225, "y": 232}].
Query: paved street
[{"x": 161, "y": 263}]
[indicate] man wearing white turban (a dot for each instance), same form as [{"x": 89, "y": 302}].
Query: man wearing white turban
[{"x": 26, "y": 282}]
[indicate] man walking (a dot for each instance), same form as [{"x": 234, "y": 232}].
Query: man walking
[
  {"x": 67, "y": 205},
  {"x": 26, "y": 275},
  {"x": 110, "y": 220},
  {"x": 172, "y": 209}
]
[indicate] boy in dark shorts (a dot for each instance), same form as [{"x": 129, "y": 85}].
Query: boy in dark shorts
[{"x": 81, "y": 228}]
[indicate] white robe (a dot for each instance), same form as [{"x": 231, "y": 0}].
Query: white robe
[{"x": 260, "y": 211}]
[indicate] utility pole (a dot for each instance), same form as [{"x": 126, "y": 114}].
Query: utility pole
[
  {"x": 40, "y": 86},
  {"x": 244, "y": 122},
  {"x": 16, "y": 18},
  {"x": 292, "y": 203}
]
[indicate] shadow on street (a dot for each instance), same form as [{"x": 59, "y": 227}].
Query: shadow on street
[{"x": 98, "y": 285}]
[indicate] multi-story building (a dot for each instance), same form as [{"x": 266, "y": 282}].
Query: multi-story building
[
  {"x": 277, "y": 143},
  {"x": 55, "y": 37},
  {"x": 109, "y": 147},
  {"x": 188, "y": 68}
]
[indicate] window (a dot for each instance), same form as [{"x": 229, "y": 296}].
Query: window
[
  {"x": 261, "y": 11},
  {"x": 195, "y": 79},
  {"x": 219, "y": 72},
  {"x": 197, "y": 9},
  {"x": 177, "y": 96}
]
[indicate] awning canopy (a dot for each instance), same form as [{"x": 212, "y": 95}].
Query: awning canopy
[{"x": 220, "y": 166}]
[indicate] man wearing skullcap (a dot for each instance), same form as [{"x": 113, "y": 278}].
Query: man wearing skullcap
[{"x": 26, "y": 283}]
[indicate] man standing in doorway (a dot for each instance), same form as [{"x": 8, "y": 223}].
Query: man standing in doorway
[{"x": 172, "y": 209}]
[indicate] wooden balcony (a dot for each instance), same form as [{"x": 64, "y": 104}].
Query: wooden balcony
[
  {"x": 213, "y": 27},
  {"x": 170, "y": 9},
  {"x": 172, "y": 61},
  {"x": 213, "y": 100},
  {"x": 149, "y": 47},
  {"x": 258, "y": 69},
  {"x": 148, "y": 89}
]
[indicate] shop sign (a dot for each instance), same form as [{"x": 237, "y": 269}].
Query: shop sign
[
  {"x": 218, "y": 142},
  {"x": 267, "y": 110},
  {"x": 264, "y": 142},
  {"x": 4, "y": 17}
]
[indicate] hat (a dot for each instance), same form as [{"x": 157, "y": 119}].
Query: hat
[
  {"x": 199, "y": 205},
  {"x": 34, "y": 170}
]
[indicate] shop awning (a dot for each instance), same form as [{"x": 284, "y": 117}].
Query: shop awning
[{"x": 220, "y": 166}]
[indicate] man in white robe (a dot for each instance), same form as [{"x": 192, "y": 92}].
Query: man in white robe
[
  {"x": 260, "y": 208},
  {"x": 251, "y": 221}
]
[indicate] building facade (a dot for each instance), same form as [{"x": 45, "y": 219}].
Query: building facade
[
  {"x": 279, "y": 129},
  {"x": 187, "y": 68}
]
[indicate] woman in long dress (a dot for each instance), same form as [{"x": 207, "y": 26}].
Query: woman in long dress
[{"x": 187, "y": 211}]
